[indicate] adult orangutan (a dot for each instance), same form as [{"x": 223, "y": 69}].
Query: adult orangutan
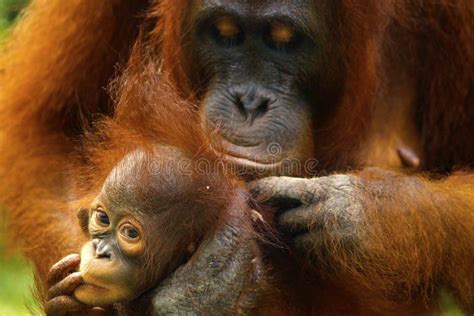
[{"x": 349, "y": 83}]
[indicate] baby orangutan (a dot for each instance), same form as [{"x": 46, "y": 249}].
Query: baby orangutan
[{"x": 154, "y": 208}]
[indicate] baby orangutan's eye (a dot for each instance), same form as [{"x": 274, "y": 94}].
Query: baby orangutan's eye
[
  {"x": 102, "y": 218},
  {"x": 129, "y": 232}
]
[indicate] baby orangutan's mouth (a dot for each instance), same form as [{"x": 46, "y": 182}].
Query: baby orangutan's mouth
[
  {"x": 91, "y": 289},
  {"x": 91, "y": 285},
  {"x": 94, "y": 295}
]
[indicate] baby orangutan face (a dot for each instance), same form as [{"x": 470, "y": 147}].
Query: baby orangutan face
[
  {"x": 113, "y": 260},
  {"x": 142, "y": 226}
]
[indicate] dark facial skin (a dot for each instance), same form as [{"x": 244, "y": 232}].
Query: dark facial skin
[{"x": 263, "y": 61}]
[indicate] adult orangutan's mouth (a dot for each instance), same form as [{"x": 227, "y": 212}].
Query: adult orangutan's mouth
[
  {"x": 249, "y": 162},
  {"x": 250, "y": 169},
  {"x": 250, "y": 155}
]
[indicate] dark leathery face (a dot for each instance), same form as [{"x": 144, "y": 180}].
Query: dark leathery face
[{"x": 261, "y": 62}]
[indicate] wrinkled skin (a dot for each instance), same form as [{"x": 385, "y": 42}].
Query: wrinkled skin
[
  {"x": 225, "y": 275},
  {"x": 262, "y": 61},
  {"x": 315, "y": 211}
]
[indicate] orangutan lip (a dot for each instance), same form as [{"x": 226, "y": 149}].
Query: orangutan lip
[
  {"x": 251, "y": 164},
  {"x": 241, "y": 155},
  {"x": 92, "y": 285},
  {"x": 229, "y": 142}
]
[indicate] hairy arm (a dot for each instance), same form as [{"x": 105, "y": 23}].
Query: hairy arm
[
  {"x": 224, "y": 278},
  {"x": 387, "y": 235}
]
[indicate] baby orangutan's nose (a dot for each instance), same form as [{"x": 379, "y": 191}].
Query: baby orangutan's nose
[{"x": 102, "y": 249}]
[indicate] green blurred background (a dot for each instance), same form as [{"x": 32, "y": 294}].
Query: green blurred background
[
  {"x": 16, "y": 275},
  {"x": 9, "y": 10}
]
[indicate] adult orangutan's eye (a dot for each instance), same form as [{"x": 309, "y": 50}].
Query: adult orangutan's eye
[
  {"x": 282, "y": 37},
  {"x": 227, "y": 27},
  {"x": 226, "y": 32}
]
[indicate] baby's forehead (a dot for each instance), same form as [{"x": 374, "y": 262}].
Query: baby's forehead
[{"x": 148, "y": 177}]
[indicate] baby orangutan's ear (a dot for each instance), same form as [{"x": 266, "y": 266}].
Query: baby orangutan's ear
[{"x": 83, "y": 216}]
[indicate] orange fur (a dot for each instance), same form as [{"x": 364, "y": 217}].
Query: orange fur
[{"x": 62, "y": 55}]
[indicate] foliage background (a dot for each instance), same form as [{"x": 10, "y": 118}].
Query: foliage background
[
  {"x": 16, "y": 275},
  {"x": 9, "y": 10}
]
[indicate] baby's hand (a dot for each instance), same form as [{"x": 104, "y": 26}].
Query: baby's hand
[{"x": 63, "y": 279}]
